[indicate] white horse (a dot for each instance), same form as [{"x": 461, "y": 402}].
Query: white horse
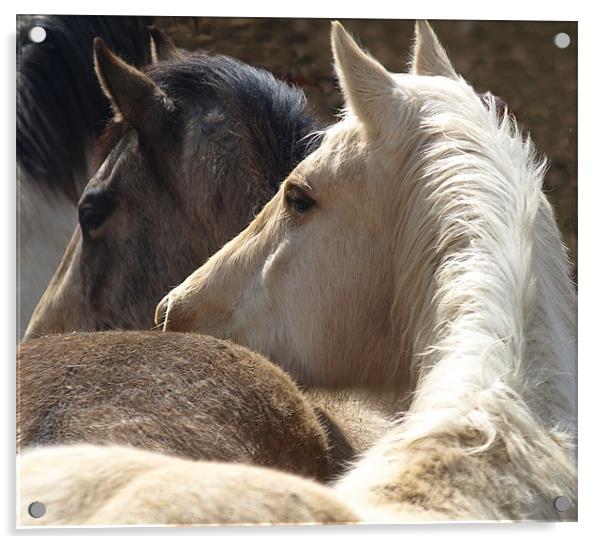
[
  {"x": 416, "y": 248},
  {"x": 415, "y": 251}
]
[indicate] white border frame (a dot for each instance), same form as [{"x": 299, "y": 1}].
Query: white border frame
[{"x": 590, "y": 261}]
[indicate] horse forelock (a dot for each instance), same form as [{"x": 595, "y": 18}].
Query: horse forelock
[
  {"x": 111, "y": 134},
  {"x": 273, "y": 115}
]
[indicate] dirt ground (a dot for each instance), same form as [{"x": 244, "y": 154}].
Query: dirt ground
[{"x": 517, "y": 61}]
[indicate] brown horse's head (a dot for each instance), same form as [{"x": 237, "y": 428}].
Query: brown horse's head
[{"x": 196, "y": 145}]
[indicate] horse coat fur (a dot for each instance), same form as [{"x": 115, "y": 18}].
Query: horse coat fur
[
  {"x": 115, "y": 485},
  {"x": 187, "y": 395}
]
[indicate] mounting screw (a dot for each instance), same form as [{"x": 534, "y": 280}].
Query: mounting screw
[
  {"x": 562, "y": 40},
  {"x": 562, "y": 504},
  {"x": 36, "y": 509},
  {"x": 37, "y": 34}
]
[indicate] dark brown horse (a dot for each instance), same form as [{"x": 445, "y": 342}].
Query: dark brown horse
[{"x": 197, "y": 145}]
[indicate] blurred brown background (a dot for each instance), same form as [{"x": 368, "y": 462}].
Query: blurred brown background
[{"x": 516, "y": 60}]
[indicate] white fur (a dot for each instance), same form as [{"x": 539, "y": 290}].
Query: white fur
[{"x": 83, "y": 484}]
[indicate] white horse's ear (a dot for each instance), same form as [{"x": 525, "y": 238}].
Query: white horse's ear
[
  {"x": 367, "y": 85},
  {"x": 429, "y": 58}
]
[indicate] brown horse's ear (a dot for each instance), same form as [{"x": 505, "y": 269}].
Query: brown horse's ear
[
  {"x": 133, "y": 95},
  {"x": 162, "y": 47},
  {"x": 429, "y": 57}
]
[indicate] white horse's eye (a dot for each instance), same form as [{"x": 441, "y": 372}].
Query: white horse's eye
[{"x": 298, "y": 200}]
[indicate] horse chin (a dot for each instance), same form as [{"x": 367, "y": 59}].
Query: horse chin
[
  {"x": 174, "y": 315},
  {"x": 161, "y": 313},
  {"x": 179, "y": 311},
  {"x": 171, "y": 315}
]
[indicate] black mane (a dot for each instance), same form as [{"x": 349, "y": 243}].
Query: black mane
[
  {"x": 274, "y": 115},
  {"x": 60, "y": 107}
]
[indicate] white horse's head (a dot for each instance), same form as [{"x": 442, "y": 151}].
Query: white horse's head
[
  {"x": 313, "y": 282},
  {"x": 339, "y": 279}
]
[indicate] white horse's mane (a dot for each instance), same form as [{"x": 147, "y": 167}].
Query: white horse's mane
[
  {"x": 475, "y": 222},
  {"x": 491, "y": 298},
  {"x": 484, "y": 301}
]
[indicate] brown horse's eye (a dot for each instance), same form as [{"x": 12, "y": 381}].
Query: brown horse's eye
[
  {"x": 298, "y": 200},
  {"x": 94, "y": 207}
]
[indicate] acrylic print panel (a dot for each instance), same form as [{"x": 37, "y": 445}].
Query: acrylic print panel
[{"x": 267, "y": 277}]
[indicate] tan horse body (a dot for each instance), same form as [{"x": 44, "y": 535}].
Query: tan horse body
[
  {"x": 186, "y": 395},
  {"x": 114, "y": 485}
]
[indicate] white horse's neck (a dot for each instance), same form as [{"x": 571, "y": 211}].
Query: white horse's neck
[
  {"x": 497, "y": 319},
  {"x": 491, "y": 330}
]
